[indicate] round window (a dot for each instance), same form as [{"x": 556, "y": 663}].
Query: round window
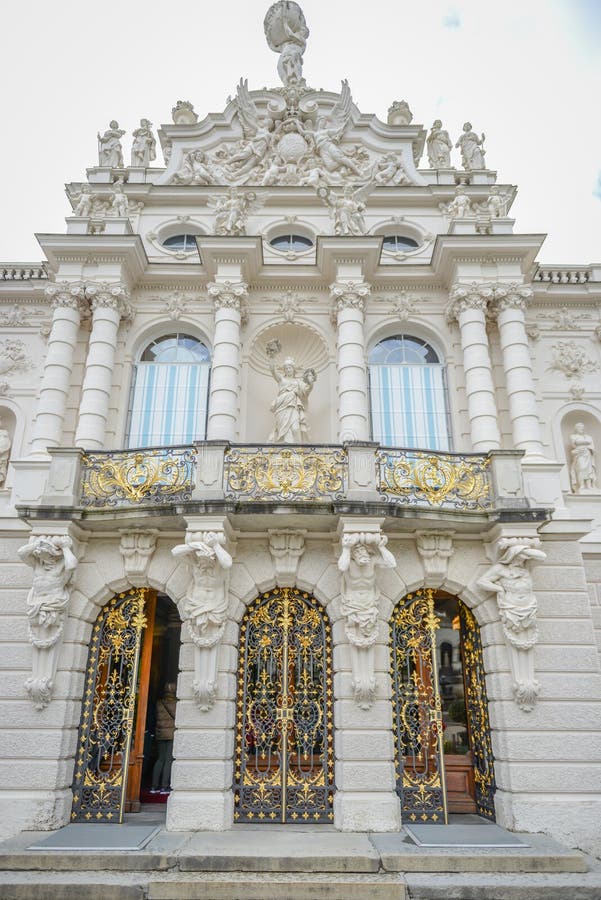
[
  {"x": 185, "y": 242},
  {"x": 291, "y": 243},
  {"x": 396, "y": 243}
]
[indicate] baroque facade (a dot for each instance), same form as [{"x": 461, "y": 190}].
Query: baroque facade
[{"x": 296, "y": 422}]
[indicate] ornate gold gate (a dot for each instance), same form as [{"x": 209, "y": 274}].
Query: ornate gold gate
[
  {"x": 418, "y": 710},
  {"x": 108, "y": 708},
  {"x": 284, "y": 767}
]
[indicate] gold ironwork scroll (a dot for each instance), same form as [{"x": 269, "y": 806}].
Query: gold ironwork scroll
[
  {"x": 418, "y": 478},
  {"x": 284, "y": 763},
  {"x": 285, "y": 473},
  {"x": 164, "y": 475},
  {"x": 108, "y": 708},
  {"x": 476, "y": 702},
  {"x": 417, "y": 711}
]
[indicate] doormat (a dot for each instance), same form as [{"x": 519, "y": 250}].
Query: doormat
[
  {"x": 477, "y": 835},
  {"x": 87, "y": 836}
]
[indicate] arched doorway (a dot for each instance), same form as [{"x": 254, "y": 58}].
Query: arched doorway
[
  {"x": 131, "y": 671},
  {"x": 284, "y": 761},
  {"x": 443, "y": 750}
]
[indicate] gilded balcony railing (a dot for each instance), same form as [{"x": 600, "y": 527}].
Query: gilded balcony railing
[
  {"x": 285, "y": 473},
  {"x": 131, "y": 477},
  {"x": 442, "y": 480}
]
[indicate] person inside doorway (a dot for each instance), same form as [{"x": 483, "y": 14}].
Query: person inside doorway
[{"x": 164, "y": 730}]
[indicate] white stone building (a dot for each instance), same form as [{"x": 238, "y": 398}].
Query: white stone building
[{"x": 302, "y": 387}]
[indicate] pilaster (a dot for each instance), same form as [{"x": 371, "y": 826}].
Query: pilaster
[{"x": 349, "y": 299}]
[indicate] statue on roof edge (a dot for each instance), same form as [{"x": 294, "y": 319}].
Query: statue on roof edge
[{"x": 286, "y": 32}]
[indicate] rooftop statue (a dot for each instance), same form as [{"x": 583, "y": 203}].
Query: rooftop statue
[
  {"x": 472, "y": 148},
  {"x": 110, "y": 151},
  {"x": 286, "y": 32},
  {"x": 439, "y": 146},
  {"x": 143, "y": 150}
]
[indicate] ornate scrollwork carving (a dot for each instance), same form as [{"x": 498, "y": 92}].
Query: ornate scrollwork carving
[
  {"x": 418, "y": 478},
  {"x": 112, "y": 479},
  {"x": 277, "y": 474}
]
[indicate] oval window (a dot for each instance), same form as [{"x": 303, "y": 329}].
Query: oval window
[
  {"x": 291, "y": 243},
  {"x": 185, "y": 242},
  {"x": 396, "y": 243}
]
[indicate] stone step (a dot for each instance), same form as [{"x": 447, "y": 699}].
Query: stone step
[{"x": 494, "y": 886}]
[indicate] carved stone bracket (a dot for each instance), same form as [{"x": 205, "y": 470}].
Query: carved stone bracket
[
  {"x": 435, "y": 549},
  {"x": 511, "y": 581},
  {"x": 205, "y": 605},
  {"x": 53, "y": 562},
  {"x": 286, "y": 547},
  {"x": 137, "y": 547},
  {"x": 362, "y": 553}
]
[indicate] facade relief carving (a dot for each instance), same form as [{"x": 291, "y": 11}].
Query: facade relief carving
[
  {"x": 583, "y": 469},
  {"x": 510, "y": 580},
  {"x": 53, "y": 562},
  {"x": 137, "y": 547},
  {"x": 575, "y": 363},
  {"x": 232, "y": 210},
  {"x": 363, "y": 553},
  {"x": 346, "y": 209},
  {"x": 205, "y": 605},
  {"x": 435, "y": 549},
  {"x": 286, "y": 547}
]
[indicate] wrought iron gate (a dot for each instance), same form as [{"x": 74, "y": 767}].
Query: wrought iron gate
[
  {"x": 417, "y": 709},
  {"x": 108, "y": 708},
  {"x": 476, "y": 704},
  {"x": 284, "y": 767}
]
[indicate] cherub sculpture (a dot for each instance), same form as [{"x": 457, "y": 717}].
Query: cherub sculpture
[
  {"x": 347, "y": 209},
  {"x": 328, "y": 133},
  {"x": 232, "y": 210},
  {"x": 194, "y": 169}
]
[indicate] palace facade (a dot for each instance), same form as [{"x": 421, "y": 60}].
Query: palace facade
[{"x": 299, "y": 496}]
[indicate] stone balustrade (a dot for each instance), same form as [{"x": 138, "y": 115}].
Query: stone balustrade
[
  {"x": 564, "y": 274},
  {"x": 385, "y": 478},
  {"x": 22, "y": 271}
]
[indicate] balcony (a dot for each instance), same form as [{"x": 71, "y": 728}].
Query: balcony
[{"x": 213, "y": 476}]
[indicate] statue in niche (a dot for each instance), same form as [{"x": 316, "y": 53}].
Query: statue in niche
[
  {"x": 119, "y": 203},
  {"x": 346, "y": 210},
  {"x": 511, "y": 581},
  {"x": 286, "y": 32},
  {"x": 583, "y": 472},
  {"x": 53, "y": 564},
  {"x": 194, "y": 170},
  {"x": 362, "y": 554},
  {"x": 110, "y": 151},
  {"x": 5, "y": 445},
  {"x": 472, "y": 148},
  {"x": 143, "y": 150},
  {"x": 206, "y": 600},
  {"x": 439, "y": 146},
  {"x": 290, "y": 405}
]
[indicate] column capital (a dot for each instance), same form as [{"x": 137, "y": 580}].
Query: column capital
[
  {"x": 474, "y": 295},
  {"x": 350, "y": 294},
  {"x": 104, "y": 295},
  {"x": 511, "y": 296},
  {"x": 67, "y": 295},
  {"x": 228, "y": 294}
]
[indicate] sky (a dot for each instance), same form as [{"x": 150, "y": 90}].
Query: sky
[{"x": 527, "y": 73}]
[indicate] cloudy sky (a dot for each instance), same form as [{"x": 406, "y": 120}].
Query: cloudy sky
[{"x": 525, "y": 72}]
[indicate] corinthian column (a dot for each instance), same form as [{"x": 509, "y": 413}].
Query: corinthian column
[
  {"x": 68, "y": 303},
  {"x": 468, "y": 306},
  {"x": 510, "y": 304},
  {"x": 353, "y": 417},
  {"x": 224, "y": 402},
  {"x": 109, "y": 303}
]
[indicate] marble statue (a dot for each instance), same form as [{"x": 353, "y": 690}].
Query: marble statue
[
  {"x": 511, "y": 581},
  {"x": 119, "y": 203},
  {"x": 194, "y": 169},
  {"x": 232, "y": 210},
  {"x": 583, "y": 472},
  {"x": 286, "y": 32},
  {"x": 390, "y": 170},
  {"x": 83, "y": 207},
  {"x": 460, "y": 206},
  {"x": 496, "y": 203},
  {"x": 5, "y": 445},
  {"x": 362, "y": 554},
  {"x": 346, "y": 209},
  {"x": 472, "y": 148},
  {"x": 143, "y": 149},
  {"x": 290, "y": 404},
  {"x": 252, "y": 150},
  {"x": 205, "y": 605},
  {"x": 328, "y": 133},
  {"x": 439, "y": 146},
  {"x": 110, "y": 151}
]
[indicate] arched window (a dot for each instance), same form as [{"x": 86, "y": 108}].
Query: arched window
[
  {"x": 170, "y": 391},
  {"x": 408, "y": 394}
]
